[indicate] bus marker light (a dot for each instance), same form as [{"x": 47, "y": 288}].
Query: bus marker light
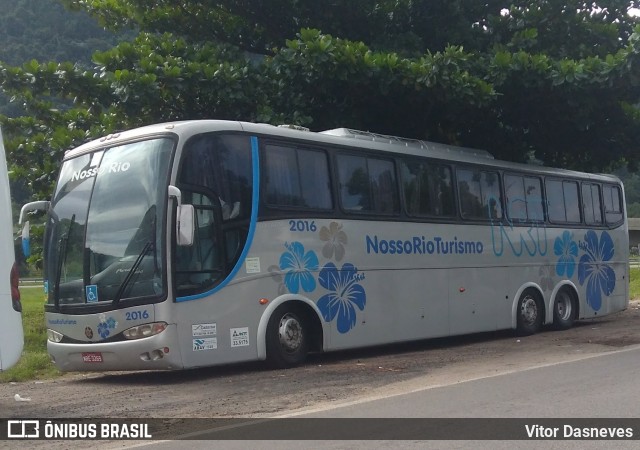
[
  {"x": 462, "y": 289},
  {"x": 263, "y": 301},
  {"x": 166, "y": 349},
  {"x": 53, "y": 335}
]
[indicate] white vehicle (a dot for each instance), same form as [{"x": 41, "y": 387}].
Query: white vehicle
[
  {"x": 199, "y": 243},
  {"x": 11, "y": 335}
]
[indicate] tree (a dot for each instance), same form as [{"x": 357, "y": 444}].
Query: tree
[
  {"x": 555, "y": 80},
  {"x": 44, "y": 30}
]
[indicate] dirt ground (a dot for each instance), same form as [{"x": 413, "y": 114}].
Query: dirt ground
[{"x": 253, "y": 390}]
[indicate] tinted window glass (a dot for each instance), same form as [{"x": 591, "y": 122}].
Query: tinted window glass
[
  {"x": 562, "y": 201},
  {"x": 591, "y": 203},
  {"x": 296, "y": 177},
  {"x": 216, "y": 178},
  {"x": 516, "y": 199},
  {"x": 533, "y": 192},
  {"x": 428, "y": 189},
  {"x": 222, "y": 165},
  {"x": 479, "y": 193},
  {"x": 367, "y": 184},
  {"x": 524, "y": 198},
  {"x": 612, "y": 203}
]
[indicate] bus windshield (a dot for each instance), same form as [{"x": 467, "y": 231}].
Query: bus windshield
[{"x": 103, "y": 237}]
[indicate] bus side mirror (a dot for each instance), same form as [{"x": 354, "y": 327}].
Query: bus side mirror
[
  {"x": 184, "y": 219},
  {"x": 26, "y": 240},
  {"x": 33, "y": 206},
  {"x": 185, "y": 229}
]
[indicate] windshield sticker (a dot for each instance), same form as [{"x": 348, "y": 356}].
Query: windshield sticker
[
  {"x": 113, "y": 167},
  {"x": 205, "y": 344},
  {"x": 91, "y": 292},
  {"x": 240, "y": 337}
]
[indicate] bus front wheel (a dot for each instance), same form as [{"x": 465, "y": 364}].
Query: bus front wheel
[
  {"x": 530, "y": 313},
  {"x": 287, "y": 340}
]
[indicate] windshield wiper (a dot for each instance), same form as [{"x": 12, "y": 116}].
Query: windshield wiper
[
  {"x": 132, "y": 271},
  {"x": 63, "y": 246}
]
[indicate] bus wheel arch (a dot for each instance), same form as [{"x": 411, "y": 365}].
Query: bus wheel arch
[
  {"x": 288, "y": 330},
  {"x": 565, "y": 307},
  {"x": 530, "y": 311}
]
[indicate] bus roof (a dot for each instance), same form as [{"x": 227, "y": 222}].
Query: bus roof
[{"x": 336, "y": 137}]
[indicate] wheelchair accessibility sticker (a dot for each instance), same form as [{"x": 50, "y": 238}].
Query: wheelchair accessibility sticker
[{"x": 91, "y": 292}]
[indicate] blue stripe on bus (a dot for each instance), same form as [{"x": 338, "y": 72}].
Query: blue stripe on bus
[{"x": 252, "y": 226}]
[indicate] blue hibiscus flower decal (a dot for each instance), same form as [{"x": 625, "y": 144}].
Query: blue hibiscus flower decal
[
  {"x": 346, "y": 294},
  {"x": 111, "y": 323},
  {"x": 300, "y": 267},
  {"x": 592, "y": 269},
  {"x": 105, "y": 326},
  {"x": 567, "y": 250},
  {"x": 103, "y": 330}
]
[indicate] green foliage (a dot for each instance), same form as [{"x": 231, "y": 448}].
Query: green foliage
[
  {"x": 558, "y": 80},
  {"x": 633, "y": 209},
  {"x": 631, "y": 182},
  {"x": 43, "y": 30},
  {"x": 332, "y": 82}
]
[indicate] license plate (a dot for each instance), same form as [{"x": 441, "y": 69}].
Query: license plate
[{"x": 92, "y": 357}]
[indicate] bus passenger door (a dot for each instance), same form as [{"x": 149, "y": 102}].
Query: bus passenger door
[{"x": 474, "y": 299}]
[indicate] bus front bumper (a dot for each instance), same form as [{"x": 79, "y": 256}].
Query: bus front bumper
[{"x": 159, "y": 352}]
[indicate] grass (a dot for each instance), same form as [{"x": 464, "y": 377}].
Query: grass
[
  {"x": 35, "y": 362},
  {"x": 634, "y": 283}
]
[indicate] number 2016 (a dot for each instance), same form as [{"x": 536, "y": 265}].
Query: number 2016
[
  {"x": 302, "y": 225},
  {"x": 137, "y": 315}
]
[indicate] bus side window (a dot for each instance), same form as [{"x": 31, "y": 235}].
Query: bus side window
[
  {"x": 297, "y": 177},
  {"x": 562, "y": 201},
  {"x": 591, "y": 206},
  {"x": 199, "y": 265},
  {"x": 612, "y": 204},
  {"x": 479, "y": 193},
  {"x": 524, "y": 198},
  {"x": 368, "y": 184},
  {"x": 428, "y": 190}
]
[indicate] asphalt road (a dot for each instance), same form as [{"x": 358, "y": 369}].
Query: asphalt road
[{"x": 596, "y": 392}]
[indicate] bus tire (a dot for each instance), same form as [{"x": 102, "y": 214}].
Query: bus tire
[
  {"x": 287, "y": 339},
  {"x": 564, "y": 310},
  {"x": 530, "y": 313}
]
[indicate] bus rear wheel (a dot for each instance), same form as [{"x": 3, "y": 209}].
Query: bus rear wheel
[
  {"x": 287, "y": 340},
  {"x": 530, "y": 313},
  {"x": 564, "y": 311}
]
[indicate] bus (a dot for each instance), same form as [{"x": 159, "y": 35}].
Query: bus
[
  {"x": 197, "y": 243},
  {"x": 11, "y": 333}
]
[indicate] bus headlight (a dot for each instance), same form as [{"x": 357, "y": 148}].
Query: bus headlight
[
  {"x": 146, "y": 330},
  {"x": 53, "y": 335}
]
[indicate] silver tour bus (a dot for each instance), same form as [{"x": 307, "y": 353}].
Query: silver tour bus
[{"x": 198, "y": 243}]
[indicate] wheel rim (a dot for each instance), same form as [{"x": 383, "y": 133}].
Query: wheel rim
[
  {"x": 290, "y": 333},
  {"x": 564, "y": 306},
  {"x": 529, "y": 310}
]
